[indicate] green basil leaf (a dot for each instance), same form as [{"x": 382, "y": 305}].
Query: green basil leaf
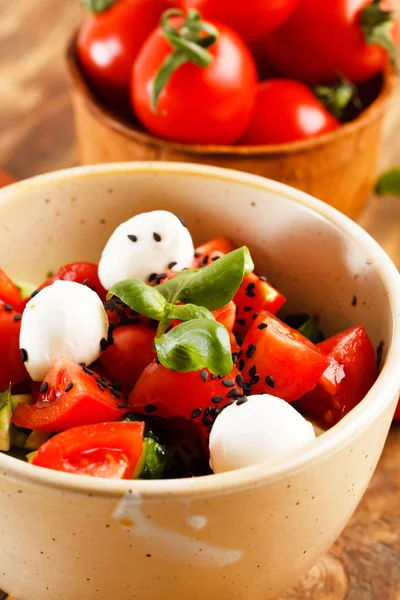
[
  {"x": 187, "y": 312},
  {"x": 389, "y": 183},
  {"x": 194, "y": 345},
  {"x": 212, "y": 286},
  {"x": 142, "y": 298},
  {"x": 156, "y": 457}
]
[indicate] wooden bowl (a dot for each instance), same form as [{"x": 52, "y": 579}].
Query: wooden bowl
[{"x": 337, "y": 167}]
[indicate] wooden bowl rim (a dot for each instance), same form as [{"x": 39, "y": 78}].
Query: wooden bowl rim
[{"x": 371, "y": 114}]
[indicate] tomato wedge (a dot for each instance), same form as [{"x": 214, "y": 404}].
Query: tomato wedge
[
  {"x": 9, "y": 293},
  {"x": 211, "y": 250},
  {"x": 109, "y": 450},
  {"x": 129, "y": 354},
  {"x": 71, "y": 395},
  {"x": 278, "y": 360},
  {"x": 197, "y": 396},
  {"x": 80, "y": 272},
  {"x": 12, "y": 369},
  {"x": 254, "y": 295},
  {"x": 347, "y": 379}
]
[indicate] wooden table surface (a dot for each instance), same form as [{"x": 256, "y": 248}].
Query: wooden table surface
[{"x": 37, "y": 135}]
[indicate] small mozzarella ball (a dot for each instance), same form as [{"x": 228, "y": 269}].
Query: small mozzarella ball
[
  {"x": 64, "y": 320},
  {"x": 262, "y": 429},
  {"x": 144, "y": 245}
]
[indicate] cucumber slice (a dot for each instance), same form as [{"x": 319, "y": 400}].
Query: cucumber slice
[
  {"x": 17, "y": 398},
  {"x": 26, "y": 288},
  {"x": 5, "y": 420},
  {"x": 29, "y": 457},
  {"x": 36, "y": 439}
]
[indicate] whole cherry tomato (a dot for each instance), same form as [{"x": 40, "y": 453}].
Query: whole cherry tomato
[
  {"x": 194, "y": 95},
  {"x": 322, "y": 39},
  {"x": 108, "y": 43},
  {"x": 6, "y": 178},
  {"x": 286, "y": 111},
  {"x": 251, "y": 19}
]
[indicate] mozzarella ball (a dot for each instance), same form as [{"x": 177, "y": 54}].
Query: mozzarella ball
[
  {"x": 262, "y": 429},
  {"x": 146, "y": 245},
  {"x": 64, "y": 320}
]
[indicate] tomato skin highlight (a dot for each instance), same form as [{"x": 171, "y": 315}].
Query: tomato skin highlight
[
  {"x": 322, "y": 39},
  {"x": 102, "y": 450},
  {"x": 164, "y": 393},
  {"x": 129, "y": 354},
  {"x": 286, "y": 111},
  {"x": 286, "y": 363},
  {"x": 79, "y": 272},
  {"x": 210, "y": 105},
  {"x": 9, "y": 293},
  {"x": 108, "y": 44},
  {"x": 251, "y": 19},
  {"x": 349, "y": 376},
  {"x": 59, "y": 408},
  {"x": 12, "y": 369}
]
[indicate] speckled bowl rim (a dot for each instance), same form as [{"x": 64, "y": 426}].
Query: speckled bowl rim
[{"x": 376, "y": 401}]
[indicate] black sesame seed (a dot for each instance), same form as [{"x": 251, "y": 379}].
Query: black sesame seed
[
  {"x": 262, "y": 278},
  {"x": 87, "y": 370},
  {"x": 150, "y": 408},
  {"x": 101, "y": 386},
  {"x": 152, "y": 277},
  {"x": 228, "y": 382},
  {"x": 204, "y": 375},
  {"x": 247, "y": 388},
  {"x": 236, "y": 310},
  {"x": 239, "y": 380},
  {"x": 354, "y": 301},
  {"x": 213, "y": 376},
  {"x": 204, "y": 261},
  {"x": 250, "y": 294},
  {"x": 234, "y": 357},
  {"x": 241, "y": 364},
  {"x": 69, "y": 387},
  {"x": 182, "y": 221},
  {"x": 115, "y": 394},
  {"x": 262, "y": 326},
  {"x": 241, "y": 322},
  {"x": 254, "y": 316},
  {"x": 196, "y": 413},
  {"x": 122, "y": 405},
  {"x": 161, "y": 276},
  {"x": 44, "y": 387},
  {"x": 220, "y": 376},
  {"x": 8, "y": 307},
  {"x": 133, "y": 238},
  {"x": 35, "y": 292},
  {"x": 103, "y": 344},
  {"x": 172, "y": 264},
  {"x": 217, "y": 399},
  {"x": 254, "y": 380},
  {"x": 269, "y": 380},
  {"x": 250, "y": 286},
  {"x": 85, "y": 281},
  {"x": 240, "y": 353},
  {"x": 102, "y": 383},
  {"x": 24, "y": 355},
  {"x": 214, "y": 258},
  {"x": 241, "y": 400},
  {"x": 116, "y": 385},
  {"x": 250, "y": 350},
  {"x": 207, "y": 411},
  {"x": 17, "y": 317},
  {"x": 248, "y": 308},
  {"x": 233, "y": 393},
  {"x": 207, "y": 422},
  {"x": 197, "y": 254},
  {"x": 253, "y": 371},
  {"x": 157, "y": 236}
]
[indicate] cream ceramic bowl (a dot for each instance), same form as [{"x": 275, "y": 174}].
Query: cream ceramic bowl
[{"x": 239, "y": 535}]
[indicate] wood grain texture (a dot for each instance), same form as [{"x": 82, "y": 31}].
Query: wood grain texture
[{"x": 37, "y": 135}]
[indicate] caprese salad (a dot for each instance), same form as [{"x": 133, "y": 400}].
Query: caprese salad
[{"x": 166, "y": 360}]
